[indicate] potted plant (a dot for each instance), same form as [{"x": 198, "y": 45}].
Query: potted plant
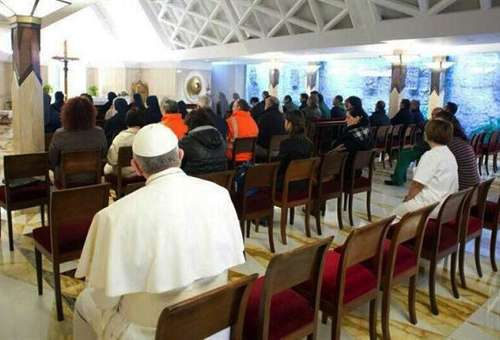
[
  {"x": 47, "y": 88},
  {"x": 93, "y": 90}
]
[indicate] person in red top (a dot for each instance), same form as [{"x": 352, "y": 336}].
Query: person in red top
[
  {"x": 240, "y": 125},
  {"x": 172, "y": 118}
]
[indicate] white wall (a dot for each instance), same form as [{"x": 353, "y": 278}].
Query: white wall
[
  {"x": 228, "y": 79},
  {"x": 162, "y": 82},
  {"x": 5, "y": 82}
]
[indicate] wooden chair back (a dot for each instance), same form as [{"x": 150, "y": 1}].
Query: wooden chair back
[
  {"x": 207, "y": 314},
  {"x": 478, "y": 143},
  {"x": 25, "y": 166},
  {"x": 493, "y": 142},
  {"x": 365, "y": 243},
  {"x": 381, "y": 137},
  {"x": 479, "y": 197},
  {"x": 300, "y": 170},
  {"x": 130, "y": 188},
  {"x": 452, "y": 208},
  {"x": 80, "y": 162},
  {"x": 75, "y": 206},
  {"x": 244, "y": 145},
  {"x": 409, "y": 134},
  {"x": 261, "y": 176},
  {"x": 287, "y": 270},
  {"x": 222, "y": 178},
  {"x": 274, "y": 146},
  {"x": 363, "y": 160},
  {"x": 125, "y": 156},
  {"x": 332, "y": 169},
  {"x": 412, "y": 226}
]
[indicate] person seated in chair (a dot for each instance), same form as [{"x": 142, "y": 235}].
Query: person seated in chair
[
  {"x": 338, "y": 110},
  {"x": 172, "y": 118},
  {"x": 150, "y": 249},
  {"x": 404, "y": 116},
  {"x": 436, "y": 176},
  {"x": 240, "y": 125},
  {"x": 203, "y": 145},
  {"x": 271, "y": 123},
  {"x": 78, "y": 133},
  {"x": 379, "y": 116},
  {"x": 135, "y": 120}
]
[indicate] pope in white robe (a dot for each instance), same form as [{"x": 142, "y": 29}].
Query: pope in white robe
[{"x": 169, "y": 241}]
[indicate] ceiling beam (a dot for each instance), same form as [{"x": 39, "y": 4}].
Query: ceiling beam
[
  {"x": 363, "y": 13},
  {"x": 338, "y": 18},
  {"x": 153, "y": 19},
  {"x": 423, "y": 6},
  {"x": 336, "y": 3},
  {"x": 289, "y": 27},
  {"x": 320, "y": 23},
  {"x": 230, "y": 15},
  {"x": 441, "y": 6},
  {"x": 485, "y": 4},
  {"x": 399, "y": 7},
  {"x": 66, "y": 11}
]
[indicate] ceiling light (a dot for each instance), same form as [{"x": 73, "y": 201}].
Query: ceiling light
[{"x": 440, "y": 65}]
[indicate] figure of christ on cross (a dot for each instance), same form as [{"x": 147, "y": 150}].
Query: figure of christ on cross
[{"x": 65, "y": 59}]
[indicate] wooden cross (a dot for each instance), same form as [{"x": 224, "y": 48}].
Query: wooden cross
[{"x": 65, "y": 59}]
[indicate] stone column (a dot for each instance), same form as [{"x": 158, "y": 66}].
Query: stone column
[
  {"x": 27, "y": 94},
  {"x": 398, "y": 83},
  {"x": 274, "y": 80},
  {"x": 436, "y": 96},
  {"x": 311, "y": 77}
]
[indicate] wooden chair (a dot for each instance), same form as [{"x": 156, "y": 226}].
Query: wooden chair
[
  {"x": 491, "y": 149},
  {"x": 133, "y": 187},
  {"x": 473, "y": 226},
  {"x": 243, "y": 145},
  {"x": 441, "y": 239},
  {"x": 22, "y": 188},
  {"x": 491, "y": 219},
  {"x": 77, "y": 163},
  {"x": 222, "y": 178},
  {"x": 381, "y": 141},
  {"x": 477, "y": 145},
  {"x": 119, "y": 182},
  {"x": 347, "y": 283},
  {"x": 71, "y": 214},
  {"x": 274, "y": 147},
  {"x": 298, "y": 172},
  {"x": 394, "y": 143},
  {"x": 277, "y": 311},
  {"x": 408, "y": 141},
  {"x": 354, "y": 184},
  {"x": 207, "y": 314},
  {"x": 329, "y": 185},
  {"x": 256, "y": 201},
  {"x": 401, "y": 261}
]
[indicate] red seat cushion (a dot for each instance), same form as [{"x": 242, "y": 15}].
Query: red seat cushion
[
  {"x": 359, "y": 182},
  {"x": 359, "y": 280},
  {"x": 475, "y": 224},
  {"x": 71, "y": 236},
  {"x": 293, "y": 196},
  {"x": 405, "y": 258},
  {"x": 261, "y": 200},
  {"x": 289, "y": 312},
  {"x": 25, "y": 193},
  {"x": 449, "y": 235},
  {"x": 331, "y": 187},
  {"x": 489, "y": 211}
]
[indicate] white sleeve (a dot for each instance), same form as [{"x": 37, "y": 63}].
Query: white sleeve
[
  {"x": 425, "y": 169},
  {"x": 113, "y": 151}
]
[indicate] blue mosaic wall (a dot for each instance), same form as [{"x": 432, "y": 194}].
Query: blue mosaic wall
[
  {"x": 474, "y": 84},
  {"x": 369, "y": 79},
  {"x": 418, "y": 83}
]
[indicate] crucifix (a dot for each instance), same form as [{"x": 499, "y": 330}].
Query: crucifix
[{"x": 65, "y": 59}]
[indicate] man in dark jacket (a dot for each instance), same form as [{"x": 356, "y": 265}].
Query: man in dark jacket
[
  {"x": 303, "y": 100},
  {"x": 379, "y": 117},
  {"x": 418, "y": 117},
  {"x": 261, "y": 107},
  {"x": 338, "y": 111},
  {"x": 404, "y": 116},
  {"x": 203, "y": 145},
  {"x": 270, "y": 123}
]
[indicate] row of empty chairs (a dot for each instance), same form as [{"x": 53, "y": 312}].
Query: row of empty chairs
[
  {"x": 486, "y": 147},
  {"x": 391, "y": 140}
]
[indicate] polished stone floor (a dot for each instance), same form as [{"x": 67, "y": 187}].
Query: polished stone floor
[{"x": 25, "y": 315}]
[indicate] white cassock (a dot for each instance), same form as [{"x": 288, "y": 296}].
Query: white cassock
[{"x": 169, "y": 241}]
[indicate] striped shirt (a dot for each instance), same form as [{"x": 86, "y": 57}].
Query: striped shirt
[{"x": 468, "y": 174}]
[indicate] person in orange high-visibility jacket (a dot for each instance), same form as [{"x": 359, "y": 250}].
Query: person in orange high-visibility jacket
[
  {"x": 172, "y": 118},
  {"x": 240, "y": 125}
]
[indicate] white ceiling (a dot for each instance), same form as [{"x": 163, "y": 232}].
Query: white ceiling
[{"x": 159, "y": 31}]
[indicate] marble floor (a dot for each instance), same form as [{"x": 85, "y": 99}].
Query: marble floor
[{"x": 25, "y": 315}]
